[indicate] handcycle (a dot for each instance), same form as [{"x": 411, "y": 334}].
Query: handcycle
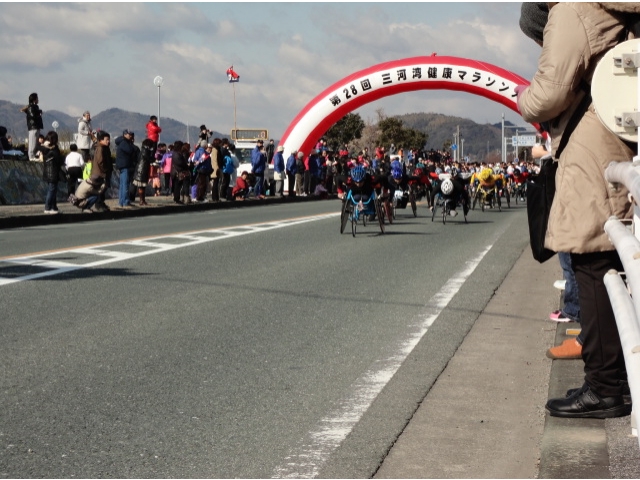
[{"x": 354, "y": 211}]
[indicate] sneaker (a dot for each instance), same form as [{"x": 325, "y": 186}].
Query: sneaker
[
  {"x": 558, "y": 316},
  {"x": 48, "y": 211},
  {"x": 54, "y": 212},
  {"x": 559, "y": 284},
  {"x": 567, "y": 350},
  {"x": 453, "y": 213}
]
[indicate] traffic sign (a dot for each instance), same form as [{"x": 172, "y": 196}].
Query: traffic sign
[
  {"x": 523, "y": 141},
  {"x": 454, "y": 147}
]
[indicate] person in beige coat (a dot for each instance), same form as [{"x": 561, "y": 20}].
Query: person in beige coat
[{"x": 575, "y": 38}]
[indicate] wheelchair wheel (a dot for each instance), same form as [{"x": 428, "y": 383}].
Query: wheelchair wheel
[
  {"x": 354, "y": 223},
  {"x": 389, "y": 211},
  {"x": 445, "y": 211},
  {"x": 380, "y": 218},
  {"x": 433, "y": 214},
  {"x": 414, "y": 207},
  {"x": 346, "y": 213}
]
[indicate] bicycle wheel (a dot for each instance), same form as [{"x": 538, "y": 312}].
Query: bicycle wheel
[
  {"x": 445, "y": 212},
  {"x": 435, "y": 207},
  {"x": 364, "y": 218},
  {"x": 344, "y": 217},
  {"x": 414, "y": 207}
]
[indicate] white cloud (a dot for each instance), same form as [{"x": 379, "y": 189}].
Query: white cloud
[{"x": 102, "y": 55}]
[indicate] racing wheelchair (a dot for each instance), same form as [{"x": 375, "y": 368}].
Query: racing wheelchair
[{"x": 355, "y": 211}]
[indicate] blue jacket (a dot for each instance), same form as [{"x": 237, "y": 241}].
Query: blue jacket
[
  {"x": 278, "y": 162},
  {"x": 228, "y": 165},
  {"x": 258, "y": 163},
  {"x": 125, "y": 154},
  {"x": 291, "y": 165},
  {"x": 314, "y": 168}
]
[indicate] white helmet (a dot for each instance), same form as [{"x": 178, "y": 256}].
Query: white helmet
[{"x": 447, "y": 187}]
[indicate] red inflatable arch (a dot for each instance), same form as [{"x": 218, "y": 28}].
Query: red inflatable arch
[{"x": 390, "y": 78}]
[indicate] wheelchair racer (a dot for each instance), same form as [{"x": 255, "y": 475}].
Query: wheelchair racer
[
  {"x": 360, "y": 184},
  {"x": 451, "y": 185},
  {"x": 487, "y": 181}
]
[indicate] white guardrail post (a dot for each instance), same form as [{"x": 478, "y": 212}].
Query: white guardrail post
[
  {"x": 626, "y": 306},
  {"x": 615, "y": 89}
]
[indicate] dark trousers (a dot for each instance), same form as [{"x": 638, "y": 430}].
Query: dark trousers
[
  {"x": 73, "y": 175},
  {"x": 215, "y": 189},
  {"x": 201, "y": 190},
  {"x": 224, "y": 186},
  {"x": 604, "y": 366},
  {"x": 291, "y": 184},
  {"x": 306, "y": 181}
]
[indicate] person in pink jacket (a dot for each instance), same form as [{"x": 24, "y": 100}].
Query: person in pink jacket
[{"x": 166, "y": 170}]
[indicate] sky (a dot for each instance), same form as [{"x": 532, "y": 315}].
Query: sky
[{"x": 99, "y": 55}]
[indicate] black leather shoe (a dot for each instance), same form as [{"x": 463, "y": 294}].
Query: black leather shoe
[
  {"x": 626, "y": 392},
  {"x": 585, "y": 403}
]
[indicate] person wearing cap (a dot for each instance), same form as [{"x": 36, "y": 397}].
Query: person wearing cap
[
  {"x": 85, "y": 135},
  {"x": 279, "y": 170},
  {"x": 125, "y": 163},
  {"x": 291, "y": 170},
  {"x": 204, "y": 133}
]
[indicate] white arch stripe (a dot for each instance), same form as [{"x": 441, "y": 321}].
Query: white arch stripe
[{"x": 324, "y": 107}]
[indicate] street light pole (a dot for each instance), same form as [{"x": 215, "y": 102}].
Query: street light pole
[
  {"x": 158, "y": 81},
  {"x": 502, "y": 144}
]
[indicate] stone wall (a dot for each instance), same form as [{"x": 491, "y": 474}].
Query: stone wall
[{"x": 21, "y": 183}]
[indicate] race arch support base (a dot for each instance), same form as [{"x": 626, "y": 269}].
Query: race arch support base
[{"x": 391, "y": 78}]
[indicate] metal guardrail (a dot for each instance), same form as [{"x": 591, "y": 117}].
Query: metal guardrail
[{"x": 626, "y": 305}]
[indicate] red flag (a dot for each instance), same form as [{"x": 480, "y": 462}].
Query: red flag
[{"x": 232, "y": 75}]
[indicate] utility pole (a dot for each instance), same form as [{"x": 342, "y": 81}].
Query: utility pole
[{"x": 502, "y": 156}]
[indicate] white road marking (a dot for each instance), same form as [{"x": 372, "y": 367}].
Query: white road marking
[
  {"x": 150, "y": 246},
  {"x": 314, "y": 450}
]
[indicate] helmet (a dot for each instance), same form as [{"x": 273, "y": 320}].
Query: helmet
[
  {"x": 396, "y": 173},
  {"x": 358, "y": 173},
  {"x": 447, "y": 187}
]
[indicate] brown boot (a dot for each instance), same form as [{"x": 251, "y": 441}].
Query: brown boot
[{"x": 569, "y": 349}]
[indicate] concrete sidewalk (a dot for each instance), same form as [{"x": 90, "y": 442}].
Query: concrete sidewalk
[
  {"x": 485, "y": 416},
  {"x": 29, "y": 215}
]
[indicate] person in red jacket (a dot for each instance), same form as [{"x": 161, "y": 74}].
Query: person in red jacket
[
  {"x": 241, "y": 190},
  {"x": 153, "y": 131}
]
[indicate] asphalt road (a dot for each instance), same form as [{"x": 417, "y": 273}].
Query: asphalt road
[{"x": 249, "y": 343}]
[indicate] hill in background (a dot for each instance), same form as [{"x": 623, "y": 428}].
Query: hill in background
[
  {"x": 113, "y": 121},
  {"x": 479, "y": 140}
]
